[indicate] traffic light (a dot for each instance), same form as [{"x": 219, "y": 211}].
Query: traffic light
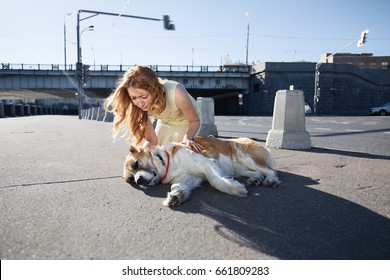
[
  {"x": 167, "y": 23},
  {"x": 363, "y": 38},
  {"x": 85, "y": 72},
  {"x": 79, "y": 71}
]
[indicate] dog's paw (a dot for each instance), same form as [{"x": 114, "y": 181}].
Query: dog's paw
[
  {"x": 254, "y": 181},
  {"x": 271, "y": 181},
  {"x": 242, "y": 192},
  {"x": 239, "y": 189},
  {"x": 174, "y": 198}
]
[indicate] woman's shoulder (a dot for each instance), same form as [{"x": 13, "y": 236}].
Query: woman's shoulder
[{"x": 170, "y": 84}]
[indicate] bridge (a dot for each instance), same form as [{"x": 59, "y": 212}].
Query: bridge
[{"x": 60, "y": 80}]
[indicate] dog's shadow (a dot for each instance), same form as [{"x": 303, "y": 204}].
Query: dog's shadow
[
  {"x": 155, "y": 191},
  {"x": 292, "y": 221}
]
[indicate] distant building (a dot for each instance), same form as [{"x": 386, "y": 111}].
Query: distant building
[{"x": 363, "y": 60}]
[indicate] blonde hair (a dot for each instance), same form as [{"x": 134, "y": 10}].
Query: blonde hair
[{"x": 127, "y": 115}]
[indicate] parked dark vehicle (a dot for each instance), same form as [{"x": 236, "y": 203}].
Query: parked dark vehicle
[{"x": 380, "y": 110}]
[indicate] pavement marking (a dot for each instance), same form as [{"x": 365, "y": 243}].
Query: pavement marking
[
  {"x": 354, "y": 130},
  {"x": 249, "y": 124},
  {"x": 322, "y": 128},
  {"x": 58, "y": 182}
]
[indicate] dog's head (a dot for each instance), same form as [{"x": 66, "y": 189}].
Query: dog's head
[{"x": 145, "y": 167}]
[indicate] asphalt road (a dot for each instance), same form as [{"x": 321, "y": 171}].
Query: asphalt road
[
  {"x": 61, "y": 197},
  {"x": 367, "y": 134}
]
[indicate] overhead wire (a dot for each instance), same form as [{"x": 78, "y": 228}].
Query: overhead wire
[{"x": 125, "y": 7}]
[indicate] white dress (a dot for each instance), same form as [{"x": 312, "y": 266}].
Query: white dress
[{"x": 171, "y": 123}]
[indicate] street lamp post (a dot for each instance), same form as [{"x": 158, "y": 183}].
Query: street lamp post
[
  {"x": 79, "y": 67},
  {"x": 247, "y": 46},
  {"x": 89, "y": 28},
  {"x": 167, "y": 25},
  {"x": 67, "y": 14},
  {"x": 317, "y": 90}
]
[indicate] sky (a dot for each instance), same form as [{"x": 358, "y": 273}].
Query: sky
[{"x": 211, "y": 32}]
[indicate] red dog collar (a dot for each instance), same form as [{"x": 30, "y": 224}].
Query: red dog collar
[{"x": 166, "y": 169}]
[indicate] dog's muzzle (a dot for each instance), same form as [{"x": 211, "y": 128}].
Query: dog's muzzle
[
  {"x": 145, "y": 178},
  {"x": 142, "y": 181}
]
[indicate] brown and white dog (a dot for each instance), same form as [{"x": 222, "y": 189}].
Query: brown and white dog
[{"x": 219, "y": 163}]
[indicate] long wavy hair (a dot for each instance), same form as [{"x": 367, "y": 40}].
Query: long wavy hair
[{"x": 127, "y": 115}]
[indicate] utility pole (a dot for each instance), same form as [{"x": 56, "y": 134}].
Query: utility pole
[
  {"x": 317, "y": 90},
  {"x": 247, "y": 46},
  {"x": 167, "y": 25}
]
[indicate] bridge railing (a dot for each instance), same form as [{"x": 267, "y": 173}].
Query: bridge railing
[{"x": 107, "y": 67}]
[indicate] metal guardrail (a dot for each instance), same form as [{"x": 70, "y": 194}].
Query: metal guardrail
[{"x": 107, "y": 67}]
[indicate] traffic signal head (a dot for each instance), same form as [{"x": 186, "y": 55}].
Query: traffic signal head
[
  {"x": 363, "y": 38},
  {"x": 167, "y": 23},
  {"x": 79, "y": 71},
  {"x": 85, "y": 72}
]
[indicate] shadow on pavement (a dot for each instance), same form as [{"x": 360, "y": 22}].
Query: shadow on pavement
[
  {"x": 350, "y": 133},
  {"x": 346, "y": 153},
  {"x": 292, "y": 221}
]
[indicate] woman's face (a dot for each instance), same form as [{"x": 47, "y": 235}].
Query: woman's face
[{"x": 140, "y": 98}]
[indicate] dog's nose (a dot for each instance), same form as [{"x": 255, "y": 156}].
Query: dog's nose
[{"x": 141, "y": 180}]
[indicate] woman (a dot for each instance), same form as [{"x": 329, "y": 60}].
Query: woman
[{"x": 140, "y": 94}]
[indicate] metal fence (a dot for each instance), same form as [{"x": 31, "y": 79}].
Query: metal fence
[{"x": 108, "y": 67}]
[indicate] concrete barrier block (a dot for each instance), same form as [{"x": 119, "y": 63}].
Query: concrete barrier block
[
  {"x": 34, "y": 110},
  {"x": 27, "y": 110},
  {"x": 90, "y": 113},
  {"x": 206, "y": 105},
  {"x": 2, "y": 110},
  {"x": 288, "y": 123},
  {"x": 94, "y": 112},
  {"x": 19, "y": 110},
  {"x": 9, "y": 110},
  {"x": 100, "y": 114},
  {"x": 108, "y": 117}
]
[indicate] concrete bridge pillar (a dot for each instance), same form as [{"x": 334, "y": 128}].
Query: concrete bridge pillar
[
  {"x": 206, "y": 105},
  {"x": 288, "y": 123}
]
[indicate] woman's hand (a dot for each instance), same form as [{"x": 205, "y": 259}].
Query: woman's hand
[{"x": 191, "y": 144}]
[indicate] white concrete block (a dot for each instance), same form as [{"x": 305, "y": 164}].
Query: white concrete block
[
  {"x": 206, "y": 105},
  {"x": 288, "y": 123}
]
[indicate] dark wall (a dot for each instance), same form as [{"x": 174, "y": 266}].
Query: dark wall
[{"x": 345, "y": 89}]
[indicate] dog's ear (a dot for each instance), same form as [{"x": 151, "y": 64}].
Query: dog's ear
[{"x": 133, "y": 150}]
